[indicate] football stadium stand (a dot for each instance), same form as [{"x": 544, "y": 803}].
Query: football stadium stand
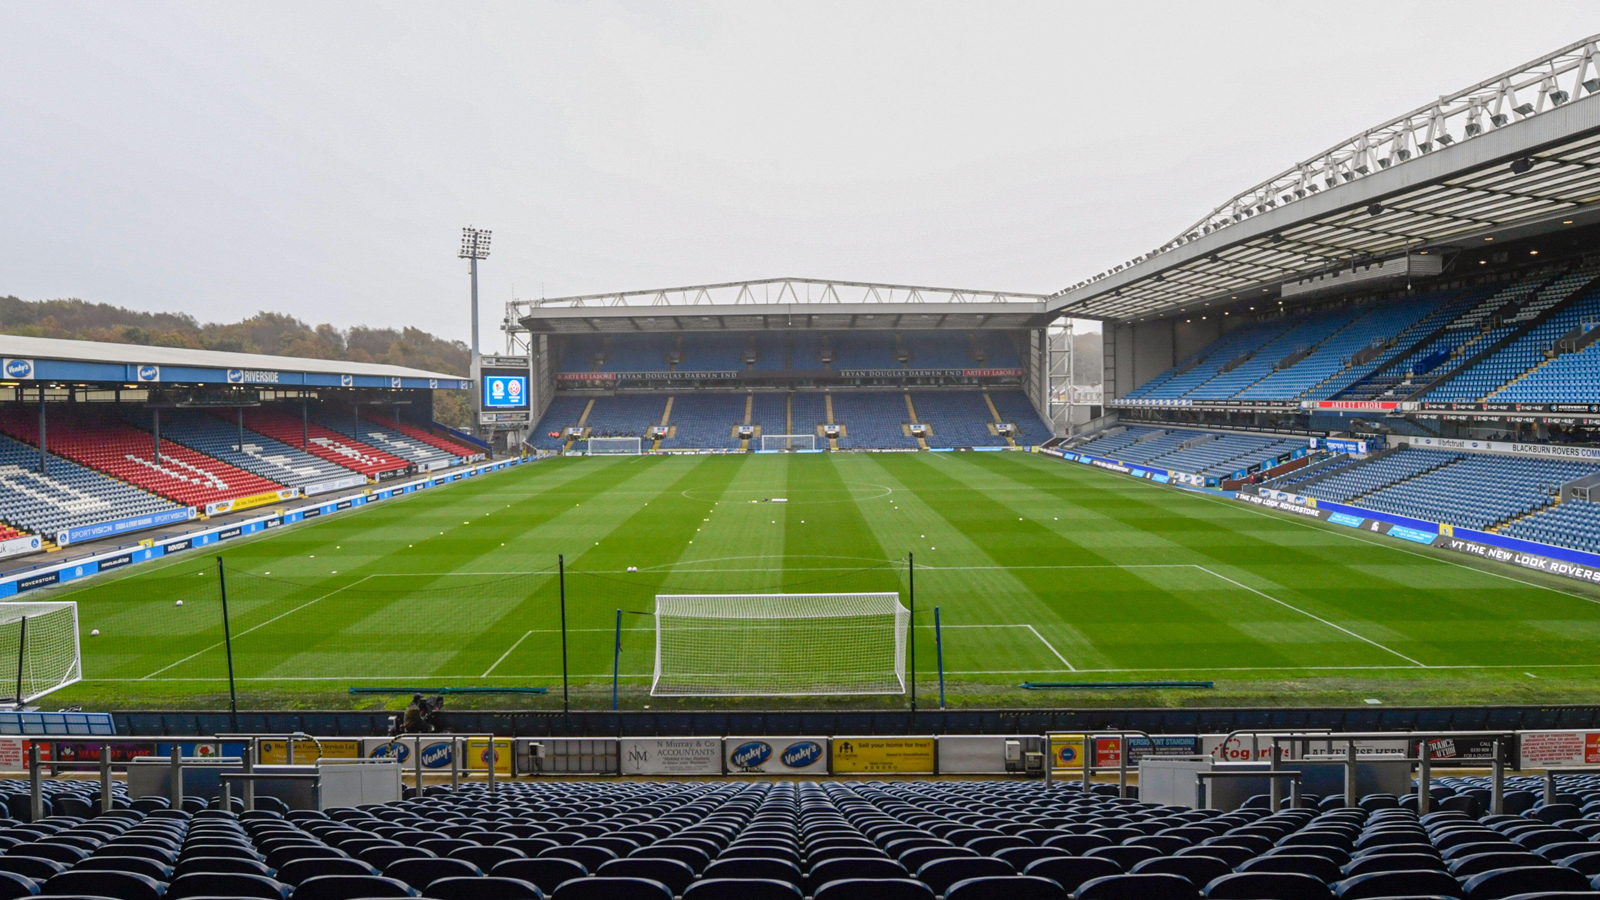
[
  {"x": 827, "y": 840},
  {"x": 807, "y": 350},
  {"x": 65, "y": 494},
  {"x": 106, "y": 443},
  {"x": 1467, "y": 344},
  {"x": 219, "y": 439},
  {"x": 322, "y": 442},
  {"x": 454, "y": 448},
  {"x": 383, "y": 437}
]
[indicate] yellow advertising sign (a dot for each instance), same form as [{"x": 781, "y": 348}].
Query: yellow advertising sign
[
  {"x": 255, "y": 500},
  {"x": 478, "y": 755},
  {"x": 1446, "y": 529},
  {"x": 276, "y": 753},
  {"x": 866, "y": 755},
  {"x": 1066, "y": 751}
]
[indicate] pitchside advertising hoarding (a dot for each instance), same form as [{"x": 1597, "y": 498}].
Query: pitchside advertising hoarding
[
  {"x": 775, "y": 755},
  {"x": 671, "y": 756},
  {"x": 871, "y": 755}
]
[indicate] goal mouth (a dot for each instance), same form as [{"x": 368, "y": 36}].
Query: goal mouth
[
  {"x": 780, "y": 645},
  {"x": 614, "y": 446},
  {"x": 778, "y": 443},
  {"x": 39, "y": 650}
]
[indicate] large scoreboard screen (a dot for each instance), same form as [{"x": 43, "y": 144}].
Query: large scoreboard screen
[{"x": 505, "y": 391}]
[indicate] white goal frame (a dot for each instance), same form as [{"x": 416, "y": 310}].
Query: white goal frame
[
  {"x": 790, "y": 442},
  {"x": 614, "y": 446},
  {"x": 39, "y": 643},
  {"x": 780, "y": 645}
]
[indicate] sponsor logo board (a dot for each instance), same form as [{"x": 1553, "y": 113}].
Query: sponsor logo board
[
  {"x": 853, "y": 756},
  {"x": 795, "y": 755},
  {"x": 671, "y": 756}
]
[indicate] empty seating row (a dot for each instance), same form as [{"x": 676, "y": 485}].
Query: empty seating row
[
  {"x": 385, "y": 438},
  {"x": 220, "y": 439},
  {"x": 808, "y": 350},
  {"x": 102, "y": 441},
  {"x": 322, "y": 443},
  {"x": 66, "y": 494}
]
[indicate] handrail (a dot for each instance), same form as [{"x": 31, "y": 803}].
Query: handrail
[{"x": 456, "y": 752}]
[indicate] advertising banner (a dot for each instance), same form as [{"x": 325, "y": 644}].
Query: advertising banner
[
  {"x": 671, "y": 756},
  {"x": 383, "y": 748},
  {"x": 860, "y": 756},
  {"x": 306, "y": 753},
  {"x": 25, "y": 544},
  {"x": 1545, "y": 749},
  {"x": 239, "y": 504},
  {"x": 1066, "y": 751},
  {"x": 775, "y": 755},
  {"x": 81, "y": 533},
  {"x": 479, "y": 755},
  {"x": 1108, "y": 751},
  {"x": 334, "y": 484}
]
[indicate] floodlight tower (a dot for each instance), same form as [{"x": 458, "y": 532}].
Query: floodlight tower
[{"x": 474, "y": 246}]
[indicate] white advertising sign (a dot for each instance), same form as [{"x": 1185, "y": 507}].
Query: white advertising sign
[{"x": 672, "y": 756}]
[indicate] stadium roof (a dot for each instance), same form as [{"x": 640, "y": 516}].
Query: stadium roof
[
  {"x": 779, "y": 303},
  {"x": 1516, "y": 155},
  {"x": 57, "y": 359}
]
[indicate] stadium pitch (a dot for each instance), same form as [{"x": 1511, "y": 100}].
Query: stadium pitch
[{"x": 1041, "y": 570}]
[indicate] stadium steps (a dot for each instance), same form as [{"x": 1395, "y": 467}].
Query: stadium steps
[
  {"x": 587, "y": 408},
  {"x": 1406, "y": 480},
  {"x": 666, "y": 416},
  {"x": 1447, "y": 313},
  {"x": 1507, "y": 340},
  {"x": 827, "y": 405},
  {"x": 989, "y": 401},
  {"x": 911, "y": 410},
  {"x": 749, "y": 406}
]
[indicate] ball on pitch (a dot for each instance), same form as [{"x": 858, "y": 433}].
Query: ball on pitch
[
  {"x": 180, "y": 602},
  {"x": 94, "y": 633},
  {"x": 633, "y": 568}
]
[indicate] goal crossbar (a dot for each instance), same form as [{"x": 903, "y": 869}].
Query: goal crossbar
[{"x": 779, "y": 645}]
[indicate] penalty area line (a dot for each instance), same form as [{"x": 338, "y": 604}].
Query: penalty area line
[
  {"x": 1311, "y": 615},
  {"x": 505, "y": 654}
]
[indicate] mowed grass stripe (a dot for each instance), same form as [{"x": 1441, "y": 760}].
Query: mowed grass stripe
[
  {"x": 1293, "y": 630},
  {"x": 1439, "y": 613},
  {"x": 398, "y": 626},
  {"x": 1143, "y": 609}
]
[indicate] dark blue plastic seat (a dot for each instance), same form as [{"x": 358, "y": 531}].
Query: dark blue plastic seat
[
  {"x": 486, "y": 887},
  {"x": 227, "y": 884},
  {"x": 742, "y": 889},
  {"x": 1267, "y": 886},
  {"x": 874, "y": 889},
  {"x": 1154, "y": 886},
  {"x": 351, "y": 887},
  {"x": 1010, "y": 887}
]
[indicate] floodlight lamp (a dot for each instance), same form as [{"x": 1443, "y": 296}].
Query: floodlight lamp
[
  {"x": 1592, "y": 85},
  {"x": 1525, "y": 109},
  {"x": 474, "y": 243},
  {"x": 1559, "y": 97},
  {"x": 1499, "y": 119},
  {"x": 1446, "y": 140},
  {"x": 1473, "y": 130}
]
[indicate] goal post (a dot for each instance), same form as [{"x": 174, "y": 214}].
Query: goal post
[
  {"x": 778, "y": 442},
  {"x": 615, "y": 446},
  {"x": 39, "y": 650},
  {"x": 779, "y": 645}
]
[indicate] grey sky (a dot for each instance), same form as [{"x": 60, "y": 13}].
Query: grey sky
[{"x": 319, "y": 159}]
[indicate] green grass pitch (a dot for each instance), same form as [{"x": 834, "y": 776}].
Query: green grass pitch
[{"x": 1042, "y": 570}]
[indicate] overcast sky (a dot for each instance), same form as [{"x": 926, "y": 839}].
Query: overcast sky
[{"x": 320, "y": 158}]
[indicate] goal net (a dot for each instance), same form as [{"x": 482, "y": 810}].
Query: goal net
[
  {"x": 615, "y": 446},
  {"x": 38, "y": 649},
  {"x": 788, "y": 442},
  {"x": 779, "y": 645}
]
